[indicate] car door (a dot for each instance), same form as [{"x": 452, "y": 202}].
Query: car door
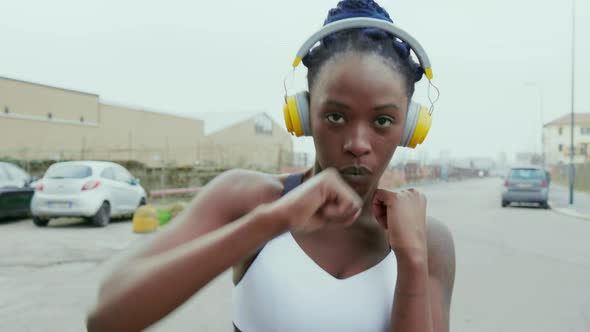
[
  {"x": 6, "y": 193},
  {"x": 115, "y": 189},
  {"x": 16, "y": 194},
  {"x": 124, "y": 181},
  {"x": 131, "y": 189}
]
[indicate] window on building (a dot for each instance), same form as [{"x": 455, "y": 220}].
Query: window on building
[
  {"x": 50, "y": 115},
  {"x": 584, "y": 149},
  {"x": 560, "y": 147},
  {"x": 560, "y": 130},
  {"x": 585, "y": 130}
]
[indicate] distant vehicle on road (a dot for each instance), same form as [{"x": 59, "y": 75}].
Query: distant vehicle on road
[
  {"x": 15, "y": 191},
  {"x": 94, "y": 190},
  {"x": 526, "y": 185}
]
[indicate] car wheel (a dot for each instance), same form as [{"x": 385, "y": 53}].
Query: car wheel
[
  {"x": 40, "y": 222},
  {"x": 102, "y": 216},
  {"x": 142, "y": 202},
  {"x": 505, "y": 203},
  {"x": 544, "y": 205}
]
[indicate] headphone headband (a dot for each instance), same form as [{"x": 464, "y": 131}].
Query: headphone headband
[{"x": 365, "y": 22}]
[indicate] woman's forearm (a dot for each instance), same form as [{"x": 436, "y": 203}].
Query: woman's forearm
[
  {"x": 411, "y": 306},
  {"x": 149, "y": 288}
]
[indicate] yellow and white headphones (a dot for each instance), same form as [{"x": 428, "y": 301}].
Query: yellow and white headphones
[{"x": 419, "y": 118}]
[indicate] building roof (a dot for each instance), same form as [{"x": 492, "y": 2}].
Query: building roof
[
  {"x": 138, "y": 108},
  {"x": 216, "y": 121},
  {"x": 49, "y": 86},
  {"x": 579, "y": 119}
]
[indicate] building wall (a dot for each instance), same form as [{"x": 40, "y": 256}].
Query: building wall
[
  {"x": 124, "y": 134},
  {"x": 154, "y": 138},
  {"x": 553, "y": 138},
  {"x": 34, "y": 101},
  {"x": 113, "y": 132},
  {"x": 28, "y": 139},
  {"x": 83, "y": 128},
  {"x": 243, "y": 145}
]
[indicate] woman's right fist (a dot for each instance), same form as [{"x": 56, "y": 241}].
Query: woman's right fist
[{"x": 323, "y": 199}]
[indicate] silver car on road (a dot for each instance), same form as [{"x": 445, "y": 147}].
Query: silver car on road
[
  {"x": 94, "y": 190},
  {"x": 526, "y": 185}
]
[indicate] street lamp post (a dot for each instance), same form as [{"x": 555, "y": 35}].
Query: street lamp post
[{"x": 572, "y": 151}]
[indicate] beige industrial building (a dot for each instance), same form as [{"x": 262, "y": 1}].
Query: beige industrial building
[
  {"x": 246, "y": 140},
  {"x": 45, "y": 122}
]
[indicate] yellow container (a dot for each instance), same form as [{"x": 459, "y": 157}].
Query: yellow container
[{"x": 145, "y": 219}]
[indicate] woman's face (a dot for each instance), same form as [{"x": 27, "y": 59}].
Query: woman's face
[{"x": 358, "y": 110}]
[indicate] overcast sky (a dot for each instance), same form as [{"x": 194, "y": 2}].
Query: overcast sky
[{"x": 491, "y": 58}]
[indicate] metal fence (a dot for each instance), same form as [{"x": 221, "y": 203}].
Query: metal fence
[{"x": 560, "y": 174}]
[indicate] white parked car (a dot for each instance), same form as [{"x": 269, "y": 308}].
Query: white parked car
[{"x": 94, "y": 190}]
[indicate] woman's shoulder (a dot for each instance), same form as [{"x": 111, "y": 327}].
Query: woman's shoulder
[
  {"x": 441, "y": 254},
  {"x": 249, "y": 186},
  {"x": 245, "y": 179}
]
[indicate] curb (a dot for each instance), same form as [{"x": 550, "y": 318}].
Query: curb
[{"x": 569, "y": 212}]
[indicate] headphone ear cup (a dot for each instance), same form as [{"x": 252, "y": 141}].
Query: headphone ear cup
[
  {"x": 296, "y": 114},
  {"x": 287, "y": 116},
  {"x": 303, "y": 110},
  {"x": 291, "y": 116},
  {"x": 418, "y": 122}
]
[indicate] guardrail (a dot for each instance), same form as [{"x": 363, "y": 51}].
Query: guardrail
[{"x": 174, "y": 191}]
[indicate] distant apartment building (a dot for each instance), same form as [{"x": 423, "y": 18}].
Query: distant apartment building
[{"x": 557, "y": 139}]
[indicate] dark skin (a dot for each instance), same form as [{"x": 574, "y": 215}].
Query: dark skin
[{"x": 342, "y": 221}]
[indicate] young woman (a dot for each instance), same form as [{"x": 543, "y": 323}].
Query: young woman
[{"x": 326, "y": 250}]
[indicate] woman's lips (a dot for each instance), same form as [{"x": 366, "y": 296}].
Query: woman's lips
[
  {"x": 356, "y": 178},
  {"x": 356, "y": 174},
  {"x": 355, "y": 170}
]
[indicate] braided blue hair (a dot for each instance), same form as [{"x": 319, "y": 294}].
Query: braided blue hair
[{"x": 368, "y": 40}]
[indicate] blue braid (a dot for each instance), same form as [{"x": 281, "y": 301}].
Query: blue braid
[{"x": 367, "y": 8}]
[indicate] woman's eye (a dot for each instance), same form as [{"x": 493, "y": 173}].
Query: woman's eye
[
  {"x": 335, "y": 118},
  {"x": 384, "y": 122}
]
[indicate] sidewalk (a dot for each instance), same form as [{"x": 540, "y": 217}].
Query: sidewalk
[{"x": 559, "y": 202}]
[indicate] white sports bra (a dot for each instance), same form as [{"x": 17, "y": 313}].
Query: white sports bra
[{"x": 285, "y": 290}]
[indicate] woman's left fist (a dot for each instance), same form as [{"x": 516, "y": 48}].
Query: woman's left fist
[{"x": 403, "y": 215}]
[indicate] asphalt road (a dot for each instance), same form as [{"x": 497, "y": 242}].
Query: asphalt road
[{"x": 518, "y": 269}]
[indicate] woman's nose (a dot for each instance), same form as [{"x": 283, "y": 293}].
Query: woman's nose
[{"x": 357, "y": 141}]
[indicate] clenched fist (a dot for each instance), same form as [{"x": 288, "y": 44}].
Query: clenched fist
[
  {"x": 403, "y": 215},
  {"x": 323, "y": 199}
]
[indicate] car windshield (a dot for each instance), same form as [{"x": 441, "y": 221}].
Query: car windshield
[
  {"x": 3, "y": 176},
  {"x": 527, "y": 174},
  {"x": 68, "y": 171}
]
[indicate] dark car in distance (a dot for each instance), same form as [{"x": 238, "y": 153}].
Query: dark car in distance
[{"x": 16, "y": 191}]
